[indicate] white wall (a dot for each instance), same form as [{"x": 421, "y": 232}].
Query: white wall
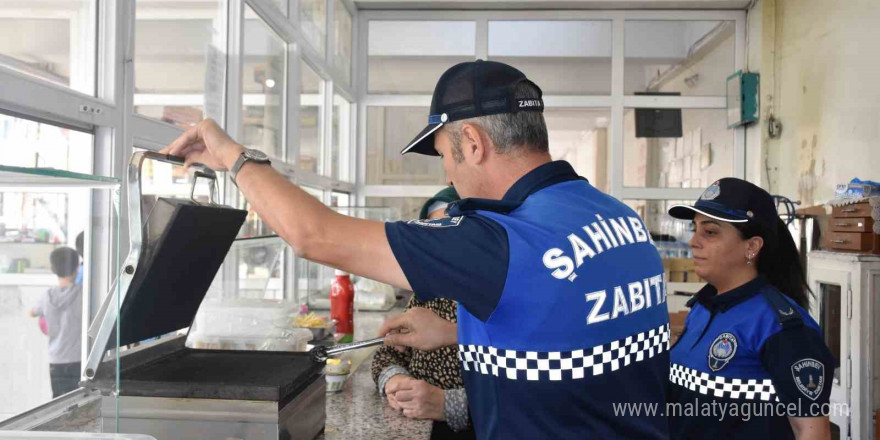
[{"x": 820, "y": 71}]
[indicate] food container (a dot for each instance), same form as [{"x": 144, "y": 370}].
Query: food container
[{"x": 336, "y": 372}]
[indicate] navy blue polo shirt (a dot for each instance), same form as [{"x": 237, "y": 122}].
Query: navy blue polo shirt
[
  {"x": 562, "y": 307},
  {"x": 748, "y": 359}
]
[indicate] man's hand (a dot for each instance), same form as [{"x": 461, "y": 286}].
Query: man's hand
[
  {"x": 419, "y": 328},
  {"x": 207, "y": 144},
  {"x": 418, "y": 399}
]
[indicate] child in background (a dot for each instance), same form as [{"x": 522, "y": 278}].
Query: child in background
[{"x": 62, "y": 307}]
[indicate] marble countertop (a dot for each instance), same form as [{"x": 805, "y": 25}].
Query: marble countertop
[{"x": 358, "y": 412}]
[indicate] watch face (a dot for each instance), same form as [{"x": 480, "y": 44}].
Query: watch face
[{"x": 255, "y": 154}]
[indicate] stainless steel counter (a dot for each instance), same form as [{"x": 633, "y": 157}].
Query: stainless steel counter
[{"x": 357, "y": 412}]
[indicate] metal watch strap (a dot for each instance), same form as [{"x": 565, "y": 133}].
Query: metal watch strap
[
  {"x": 244, "y": 158},
  {"x": 236, "y": 167}
]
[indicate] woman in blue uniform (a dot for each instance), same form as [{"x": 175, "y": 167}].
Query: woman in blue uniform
[{"x": 751, "y": 363}]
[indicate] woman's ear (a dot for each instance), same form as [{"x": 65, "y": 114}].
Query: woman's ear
[{"x": 754, "y": 246}]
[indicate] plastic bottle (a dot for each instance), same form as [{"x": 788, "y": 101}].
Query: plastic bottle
[{"x": 342, "y": 305}]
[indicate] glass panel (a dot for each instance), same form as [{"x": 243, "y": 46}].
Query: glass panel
[
  {"x": 315, "y": 279},
  {"x": 313, "y": 22},
  {"x": 316, "y": 193},
  {"x": 46, "y": 232},
  {"x": 407, "y": 56},
  {"x": 342, "y": 36},
  {"x": 340, "y": 150},
  {"x": 245, "y": 308},
  {"x": 670, "y": 235},
  {"x": 702, "y": 155},
  {"x": 179, "y": 61},
  {"x": 408, "y": 207},
  {"x": 340, "y": 199},
  {"x": 54, "y": 41},
  {"x": 580, "y": 137},
  {"x": 263, "y": 84},
  {"x": 311, "y": 115},
  {"x": 389, "y": 129},
  {"x": 569, "y": 58},
  {"x": 25, "y": 143},
  {"x": 689, "y": 57},
  {"x": 282, "y": 5},
  {"x": 830, "y": 321}
]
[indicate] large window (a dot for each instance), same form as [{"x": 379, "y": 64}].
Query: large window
[
  {"x": 608, "y": 78},
  {"x": 179, "y": 61},
  {"x": 342, "y": 50},
  {"x": 562, "y": 57},
  {"x": 409, "y": 57},
  {"x": 687, "y": 57},
  {"x": 106, "y": 79},
  {"x": 340, "y": 160},
  {"x": 263, "y": 84},
  {"x": 34, "y": 223},
  {"x": 313, "y": 19},
  {"x": 311, "y": 117},
  {"x": 54, "y": 41},
  {"x": 389, "y": 129},
  {"x": 580, "y": 137}
]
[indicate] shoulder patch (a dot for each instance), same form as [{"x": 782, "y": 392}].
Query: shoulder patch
[
  {"x": 721, "y": 351},
  {"x": 445, "y": 222},
  {"x": 809, "y": 376}
]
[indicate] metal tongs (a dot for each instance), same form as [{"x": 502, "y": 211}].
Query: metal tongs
[{"x": 320, "y": 353}]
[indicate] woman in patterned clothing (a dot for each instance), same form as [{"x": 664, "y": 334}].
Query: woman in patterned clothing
[{"x": 427, "y": 384}]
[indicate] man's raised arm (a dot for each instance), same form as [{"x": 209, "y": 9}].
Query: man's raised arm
[{"x": 313, "y": 230}]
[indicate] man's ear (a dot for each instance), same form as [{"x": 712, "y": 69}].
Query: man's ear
[{"x": 474, "y": 143}]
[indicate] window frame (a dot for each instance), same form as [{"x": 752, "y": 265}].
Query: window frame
[{"x": 617, "y": 101}]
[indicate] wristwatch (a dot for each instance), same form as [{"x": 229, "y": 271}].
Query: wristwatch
[{"x": 248, "y": 155}]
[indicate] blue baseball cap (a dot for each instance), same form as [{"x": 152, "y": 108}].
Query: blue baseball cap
[{"x": 472, "y": 89}]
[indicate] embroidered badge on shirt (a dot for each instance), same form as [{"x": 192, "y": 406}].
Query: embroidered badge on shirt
[
  {"x": 809, "y": 376},
  {"x": 445, "y": 222},
  {"x": 721, "y": 351},
  {"x": 711, "y": 192}
]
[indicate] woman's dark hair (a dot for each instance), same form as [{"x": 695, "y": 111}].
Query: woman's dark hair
[{"x": 778, "y": 261}]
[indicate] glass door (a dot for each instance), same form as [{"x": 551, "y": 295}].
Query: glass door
[{"x": 832, "y": 309}]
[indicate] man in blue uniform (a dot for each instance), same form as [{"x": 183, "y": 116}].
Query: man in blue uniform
[{"x": 562, "y": 301}]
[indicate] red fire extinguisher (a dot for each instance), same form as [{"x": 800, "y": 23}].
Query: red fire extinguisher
[{"x": 342, "y": 305}]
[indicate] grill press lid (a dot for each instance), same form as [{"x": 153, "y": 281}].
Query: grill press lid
[{"x": 184, "y": 244}]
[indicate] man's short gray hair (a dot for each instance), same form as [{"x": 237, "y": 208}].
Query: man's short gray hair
[{"x": 510, "y": 132}]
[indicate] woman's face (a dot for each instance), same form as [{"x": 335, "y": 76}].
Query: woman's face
[{"x": 720, "y": 252}]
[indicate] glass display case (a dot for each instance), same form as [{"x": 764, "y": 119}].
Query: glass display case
[{"x": 56, "y": 259}]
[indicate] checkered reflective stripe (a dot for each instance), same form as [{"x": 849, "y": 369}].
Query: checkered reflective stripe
[
  {"x": 559, "y": 365},
  {"x": 717, "y": 386}
]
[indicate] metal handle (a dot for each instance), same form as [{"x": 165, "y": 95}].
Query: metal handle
[
  {"x": 838, "y": 241},
  {"x": 321, "y": 353},
  {"x": 842, "y": 224},
  {"x": 850, "y": 209}
]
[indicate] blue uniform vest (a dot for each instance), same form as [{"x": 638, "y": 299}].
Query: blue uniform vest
[
  {"x": 718, "y": 364},
  {"x": 581, "y": 324}
]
